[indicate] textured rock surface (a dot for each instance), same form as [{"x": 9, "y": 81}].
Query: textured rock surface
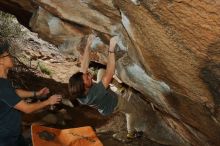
[{"x": 165, "y": 44}]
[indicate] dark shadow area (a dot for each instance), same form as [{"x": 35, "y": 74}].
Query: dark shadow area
[
  {"x": 22, "y": 15},
  {"x": 211, "y": 75},
  {"x": 81, "y": 115},
  {"x": 210, "y": 72},
  {"x": 108, "y": 140}
]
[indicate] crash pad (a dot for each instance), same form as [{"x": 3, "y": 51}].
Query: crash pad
[{"x": 46, "y": 136}]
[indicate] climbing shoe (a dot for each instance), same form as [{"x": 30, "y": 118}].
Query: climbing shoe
[
  {"x": 121, "y": 136},
  {"x": 136, "y": 134}
]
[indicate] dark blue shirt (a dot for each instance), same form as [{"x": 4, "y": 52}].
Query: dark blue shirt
[
  {"x": 10, "y": 118},
  {"x": 100, "y": 98}
]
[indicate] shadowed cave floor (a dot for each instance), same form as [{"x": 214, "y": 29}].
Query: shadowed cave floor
[{"x": 84, "y": 116}]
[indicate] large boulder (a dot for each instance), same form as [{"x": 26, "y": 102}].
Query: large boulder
[{"x": 168, "y": 52}]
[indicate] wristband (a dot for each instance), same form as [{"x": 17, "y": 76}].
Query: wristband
[{"x": 111, "y": 51}]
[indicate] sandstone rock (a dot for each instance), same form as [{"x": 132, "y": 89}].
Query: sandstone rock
[
  {"x": 52, "y": 28},
  {"x": 100, "y": 15},
  {"x": 168, "y": 51}
]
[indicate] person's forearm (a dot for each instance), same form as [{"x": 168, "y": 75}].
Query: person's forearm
[
  {"x": 85, "y": 60},
  {"x": 24, "y": 94},
  {"x": 110, "y": 70},
  {"x": 37, "y": 106},
  {"x": 30, "y": 108}
]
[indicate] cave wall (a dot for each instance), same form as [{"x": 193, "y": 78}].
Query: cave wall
[{"x": 168, "y": 51}]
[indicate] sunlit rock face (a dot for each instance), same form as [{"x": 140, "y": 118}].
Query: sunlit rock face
[
  {"x": 53, "y": 28},
  {"x": 169, "y": 51}
]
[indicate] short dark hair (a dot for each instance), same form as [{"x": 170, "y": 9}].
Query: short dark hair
[
  {"x": 76, "y": 85},
  {"x": 4, "y": 46}
]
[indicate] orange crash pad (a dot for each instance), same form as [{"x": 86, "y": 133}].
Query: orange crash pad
[{"x": 82, "y": 136}]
